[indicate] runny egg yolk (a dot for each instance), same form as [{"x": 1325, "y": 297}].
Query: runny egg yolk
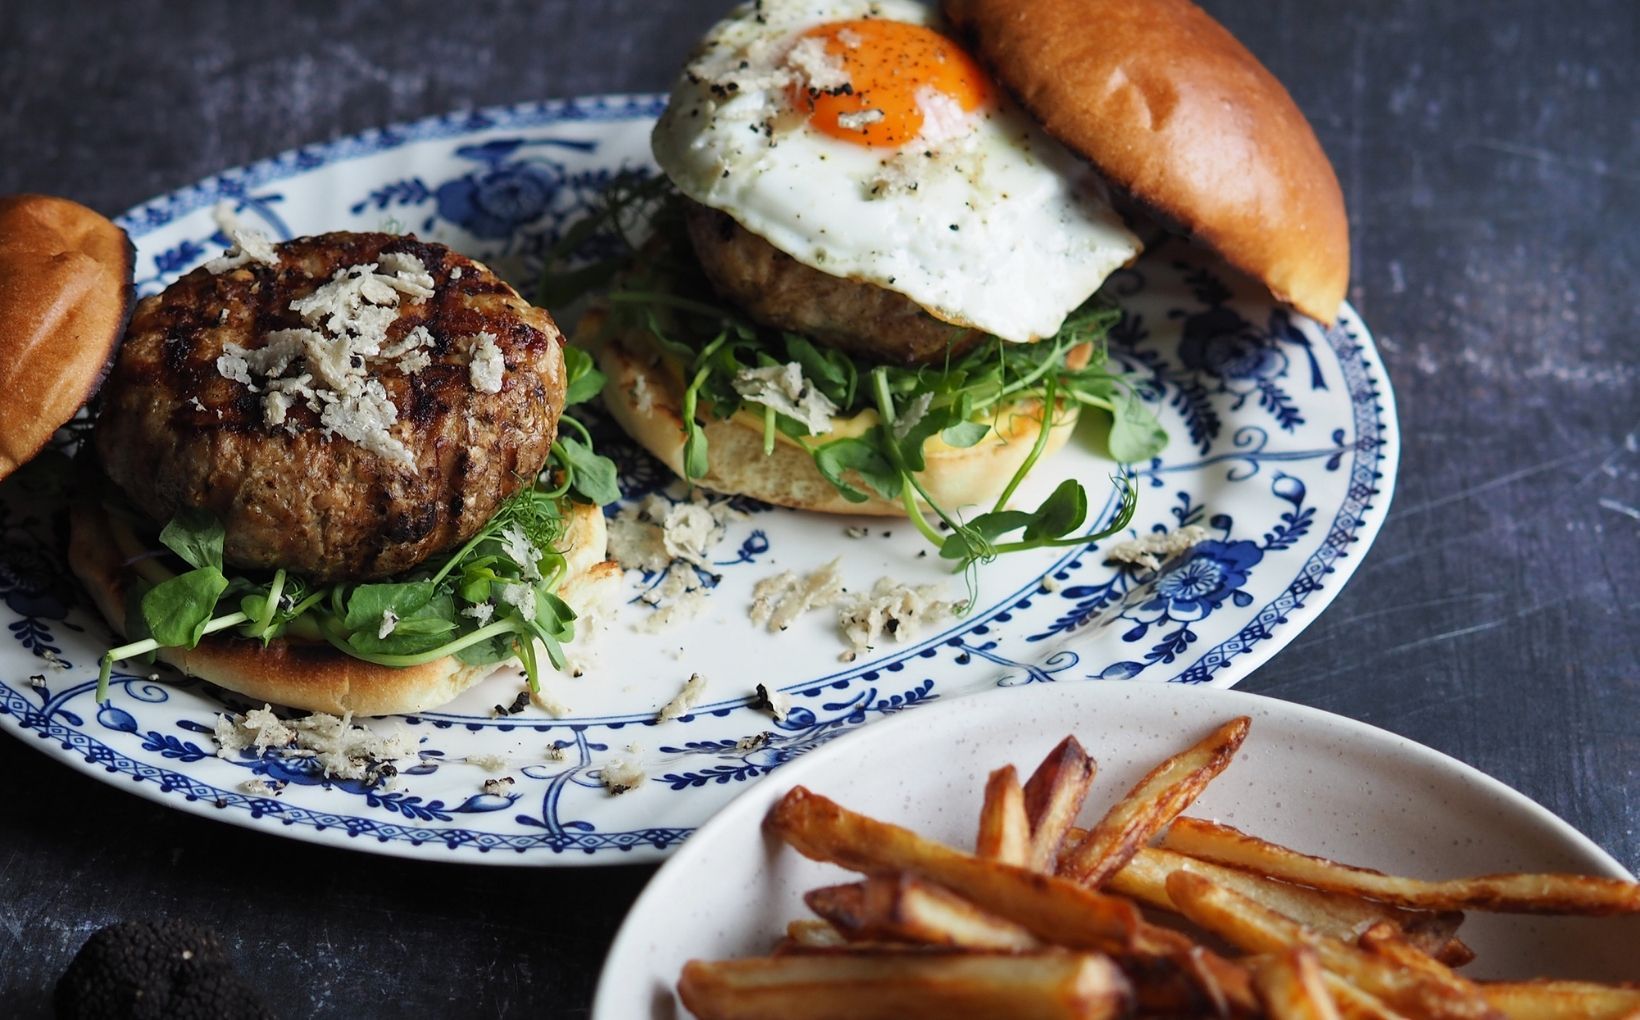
[{"x": 892, "y": 67}]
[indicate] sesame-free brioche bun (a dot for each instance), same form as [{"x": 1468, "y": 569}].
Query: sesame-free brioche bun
[
  {"x": 645, "y": 396},
  {"x": 1179, "y": 116},
  {"x": 65, "y": 296},
  {"x": 312, "y": 675}
]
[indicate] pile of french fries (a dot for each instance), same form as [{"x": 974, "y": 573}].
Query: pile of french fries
[{"x": 1045, "y": 920}]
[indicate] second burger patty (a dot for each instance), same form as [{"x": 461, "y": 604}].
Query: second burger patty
[
  {"x": 851, "y": 315},
  {"x": 303, "y": 476}
]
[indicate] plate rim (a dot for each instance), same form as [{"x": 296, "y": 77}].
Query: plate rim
[
  {"x": 162, "y": 784},
  {"x": 732, "y": 814}
]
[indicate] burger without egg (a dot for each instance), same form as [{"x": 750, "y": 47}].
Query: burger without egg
[{"x": 313, "y": 477}]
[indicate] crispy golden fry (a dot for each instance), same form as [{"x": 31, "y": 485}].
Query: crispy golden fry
[
  {"x": 1151, "y": 805},
  {"x": 1255, "y": 928},
  {"x": 1563, "y": 1000},
  {"x": 1290, "y": 985},
  {"x": 1529, "y": 894},
  {"x": 1058, "y": 912},
  {"x": 904, "y": 908},
  {"x": 1047, "y": 985},
  {"x": 786, "y": 947},
  {"x": 1456, "y": 953},
  {"x": 1338, "y": 915},
  {"x": 1004, "y": 831},
  {"x": 1053, "y": 798},
  {"x": 1384, "y": 940},
  {"x": 843, "y": 907},
  {"x": 811, "y": 933},
  {"x": 1354, "y": 1004},
  {"x": 1173, "y": 976}
]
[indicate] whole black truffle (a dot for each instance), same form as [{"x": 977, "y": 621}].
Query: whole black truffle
[{"x": 154, "y": 970}]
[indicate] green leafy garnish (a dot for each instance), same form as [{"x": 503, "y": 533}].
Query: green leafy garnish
[
  {"x": 178, "y": 610},
  {"x": 595, "y": 476},
  {"x": 196, "y": 536},
  {"x": 488, "y": 601},
  {"x": 583, "y": 380}
]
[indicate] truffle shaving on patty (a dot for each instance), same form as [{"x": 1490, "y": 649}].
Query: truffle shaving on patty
[{"x": 346, "y": 404}]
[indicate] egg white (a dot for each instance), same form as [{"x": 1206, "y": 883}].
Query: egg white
[{"x": 988, "y": 223}]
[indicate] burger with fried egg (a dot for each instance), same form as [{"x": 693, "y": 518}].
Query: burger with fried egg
[{"x": 873, "y": 285}]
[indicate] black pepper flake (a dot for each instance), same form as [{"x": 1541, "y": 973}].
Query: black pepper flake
[
  {"x": 922, "y": 554},
  {"x": 954, "y": 227},
  {"x": 892, "y": 625},
  {"x": 517, "y": 706}
]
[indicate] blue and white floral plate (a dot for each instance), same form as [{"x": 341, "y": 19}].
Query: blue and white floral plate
[{"x": 1284, "y": 449}]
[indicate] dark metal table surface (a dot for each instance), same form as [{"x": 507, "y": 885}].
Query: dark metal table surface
[{"x": 1490, "y": 156}]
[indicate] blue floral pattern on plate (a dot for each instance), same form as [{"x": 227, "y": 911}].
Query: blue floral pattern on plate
[{"x": 1284, "y": 451}]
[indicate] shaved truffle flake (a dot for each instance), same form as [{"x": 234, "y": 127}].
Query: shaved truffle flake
[
  {"x": 685, "y": 699},
  {"x": 1150, "y": 551}
]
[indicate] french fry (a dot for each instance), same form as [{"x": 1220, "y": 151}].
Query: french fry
[
  {"x": 1291, "y": 987},
  {"x": 1173, "y": 976},
  {"x": 842, "y": 907},
  {"x": 1053, "y": 798},
  {"x": 1148, "y": 808},
  {"x": 813, "y": 933},
  {"x": 1254, "y": 928},
  {"x": 904, "y": 908},
  {"x": 1338, "y": 915},
  {"x": 1047, "y": 985},
  {"x": 1004, "y": 831},
  {"x": 1056, "y": 911},
  {"x": 1563, "y": 1000},
  {"x": 1384, "y": 940},
  {"x": 1354, "y": 1004},
  {"x": 1530, "y": 894}
]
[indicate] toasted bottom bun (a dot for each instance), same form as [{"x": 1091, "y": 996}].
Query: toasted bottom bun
[
  {"x": 645, "y": 395},
  {"x": 312, "y": 675}
]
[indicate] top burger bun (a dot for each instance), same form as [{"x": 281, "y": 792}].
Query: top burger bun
[
  {"x": 65, "y": 296},
  {"x": 1177, "y": 114}
]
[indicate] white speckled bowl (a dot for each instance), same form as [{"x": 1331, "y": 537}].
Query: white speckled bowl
[{"x": 1305, "y": 778}]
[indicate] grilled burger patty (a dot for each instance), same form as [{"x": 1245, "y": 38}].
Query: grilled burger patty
[
  {"x": 773, "y": 288},
  {"x": 281, "y": 461}
]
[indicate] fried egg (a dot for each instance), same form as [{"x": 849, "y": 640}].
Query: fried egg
[{"x": 858, "y": 138}]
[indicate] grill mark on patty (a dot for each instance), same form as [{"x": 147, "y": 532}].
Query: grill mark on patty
[{"x": 260, "y": 294}]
